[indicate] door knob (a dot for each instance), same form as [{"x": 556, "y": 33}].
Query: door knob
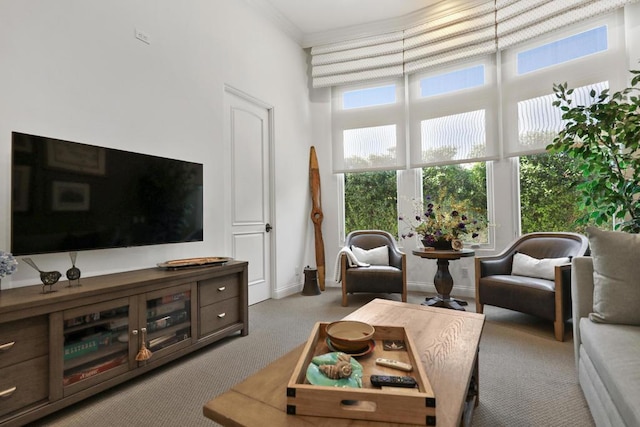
[{"x": 268, "y": 227}]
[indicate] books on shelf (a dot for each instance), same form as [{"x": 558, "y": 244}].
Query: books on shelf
[
  {"x": 175, "y": 297},
  {"x": 165, "y": 308},
  {"x": 99, "y": 367},
  {"x": 167, "y": 321},
  {"x": 86, "y": 345}
]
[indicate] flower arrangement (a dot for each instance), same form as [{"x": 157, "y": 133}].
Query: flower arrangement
[
  {"x": 442, "y": 223},
  {"x": 8, "y": 264}
]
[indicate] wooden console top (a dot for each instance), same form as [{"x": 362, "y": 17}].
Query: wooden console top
[{"x": 116, "y": 284}]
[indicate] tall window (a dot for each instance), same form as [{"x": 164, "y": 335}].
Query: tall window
[
  {"x": 548, "y": 198},
  {"x": 368, "y": 147},
  {"x": 453, "y": 129}
]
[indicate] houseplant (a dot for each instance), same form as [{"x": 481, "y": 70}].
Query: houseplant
[
  {"x": 604, "y": 140},
  {"x": 441, "y": 224}
]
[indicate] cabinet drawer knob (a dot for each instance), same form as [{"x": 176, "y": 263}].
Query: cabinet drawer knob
[
  {"x": 7, "y": 346},
  {"x": 8, "y": 392},
  {"x": 222, "y": 288},
  {"x": 221, "y": 315}
]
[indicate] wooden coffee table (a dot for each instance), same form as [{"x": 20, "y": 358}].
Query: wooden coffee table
[{"x": 446, "y": 340}]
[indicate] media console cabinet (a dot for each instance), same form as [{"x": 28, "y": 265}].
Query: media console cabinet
[{"x": 61, "y": 347}]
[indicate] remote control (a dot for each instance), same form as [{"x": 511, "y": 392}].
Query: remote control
[
  {"x": 395, "y": 364},
  {"x": 392, "y": 381}
]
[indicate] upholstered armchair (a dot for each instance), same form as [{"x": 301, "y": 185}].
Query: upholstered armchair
[
  {"x": 532, "y": 276},
  {"x": 377, "y": 277}
]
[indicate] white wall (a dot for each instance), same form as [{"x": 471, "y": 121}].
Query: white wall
[{"x": 72, "y": 69}]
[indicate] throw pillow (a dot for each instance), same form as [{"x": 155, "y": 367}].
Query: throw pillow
[
  {"x": 524, "y": 265},
  {"x": 375, "y": 256},
  {"x": 616, "y": 276}
]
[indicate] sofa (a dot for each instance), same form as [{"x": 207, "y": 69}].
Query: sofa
[{"x": 606, "y": 342}]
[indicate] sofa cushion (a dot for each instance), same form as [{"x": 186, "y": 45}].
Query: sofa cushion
[
  {"x": 616, "y": 276},
  {"x": 614, "y": 351},
  {"x": 375, "y": 256},
  {"x": 524, "y": 265}
]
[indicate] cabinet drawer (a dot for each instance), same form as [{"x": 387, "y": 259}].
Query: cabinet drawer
[
  {"x": 218, "y": 289},
  {"x": 23, "y": 339},
  {"x": 216, "y": 316},
  {"x": 31, "y": 382}
]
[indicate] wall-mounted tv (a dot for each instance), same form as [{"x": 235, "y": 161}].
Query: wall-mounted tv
[{"x": 68, "y": 196}]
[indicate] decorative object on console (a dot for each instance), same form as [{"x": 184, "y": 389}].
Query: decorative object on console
[
  {"x": 74, "y": 272},
  {"x": 48, "y": 278},
  {"x": 193, "y": 262},
  {"x": 144, "y": 353},
  {"x": 8, "y": 264}
]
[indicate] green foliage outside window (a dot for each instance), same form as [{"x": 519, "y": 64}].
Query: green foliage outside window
[
  {"x": 549, "y": 199},
  {"x": 371, "y": 201},
  {"x": 459, "y": 183}
]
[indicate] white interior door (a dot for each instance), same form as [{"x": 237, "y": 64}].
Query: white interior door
[{"x": 248, "y": 124}]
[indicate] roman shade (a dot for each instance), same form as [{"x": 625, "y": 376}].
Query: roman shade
[{"x": 462, "y": 31}]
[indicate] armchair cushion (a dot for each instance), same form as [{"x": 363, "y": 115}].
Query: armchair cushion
[
  {"x": 616, "y": 276},
  {"x": 524, "y": 265},
  {"x": 375, "y": 256}
]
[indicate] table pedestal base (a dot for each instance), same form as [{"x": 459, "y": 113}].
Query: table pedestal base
[
  {"x": 445, "y": 302},
  {"x": 442, "y": 279}
]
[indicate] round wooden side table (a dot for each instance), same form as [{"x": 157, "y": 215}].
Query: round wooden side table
[{"x": 443, "y": 280}]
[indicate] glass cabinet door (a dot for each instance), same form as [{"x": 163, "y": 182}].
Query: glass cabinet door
[
  {"x": 96, "y": 343},
  {"x": 167, "y": 316}
]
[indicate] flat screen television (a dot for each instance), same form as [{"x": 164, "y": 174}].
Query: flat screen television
[{"x": 67, "y": 196}]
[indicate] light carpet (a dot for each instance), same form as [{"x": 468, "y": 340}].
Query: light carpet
[{"x": 527, "y": 378}]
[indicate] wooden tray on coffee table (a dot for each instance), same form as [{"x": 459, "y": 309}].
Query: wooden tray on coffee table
[{"x": 391, "y": 404}]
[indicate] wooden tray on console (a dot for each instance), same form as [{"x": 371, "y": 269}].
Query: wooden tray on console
[
  {"x": 193, "y": 262},
  {"x": 388, "y": 404}
]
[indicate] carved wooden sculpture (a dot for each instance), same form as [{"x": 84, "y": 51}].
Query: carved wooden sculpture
[{"x": 316, "y": 214}]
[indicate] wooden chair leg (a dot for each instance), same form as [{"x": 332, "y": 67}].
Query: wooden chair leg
[
  {"x": 345, "y": 303},
  {"x": 479, "y": 308},
  {"x": 558, "y": 327}
]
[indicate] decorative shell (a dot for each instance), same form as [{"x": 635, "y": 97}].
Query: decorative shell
[
  {"x": 341, "y": 369},
  {"x": 343, "y": 357},
  {"x": 331, "y": 362}
]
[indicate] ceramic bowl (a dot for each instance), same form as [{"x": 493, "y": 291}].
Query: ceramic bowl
[{"x": 349, "y": 335}]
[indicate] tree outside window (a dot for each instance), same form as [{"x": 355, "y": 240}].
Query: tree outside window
[
  {"x": 371, "y": 200},
  {"x": 549, "y": 200},
  {"x": 466, "y": 183}
]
